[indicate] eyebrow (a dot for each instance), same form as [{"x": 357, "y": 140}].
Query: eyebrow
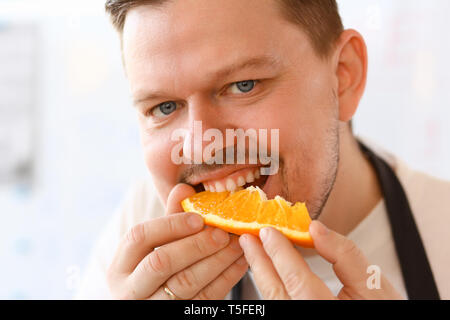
[
  {"x": 254, "y": 62},
  {"x": 250, "y": 63}
]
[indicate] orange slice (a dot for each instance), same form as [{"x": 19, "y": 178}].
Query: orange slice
[{"x": 248, "y": 210}]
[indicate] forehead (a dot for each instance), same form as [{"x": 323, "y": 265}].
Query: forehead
[{"x": 180, "y": 43}]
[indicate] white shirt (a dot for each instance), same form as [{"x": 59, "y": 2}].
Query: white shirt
[{"x": 429, "y": 199}]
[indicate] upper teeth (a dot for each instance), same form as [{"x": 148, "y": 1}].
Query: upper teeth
[
  {"x": 233, "y": 182},
  {"x": 219, "y": 187},
  {"x": 231, "y": 185},
  {"x": 240, "y": 181}
]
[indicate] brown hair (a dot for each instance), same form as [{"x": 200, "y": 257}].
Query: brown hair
[{"x": 320, "y": 19}]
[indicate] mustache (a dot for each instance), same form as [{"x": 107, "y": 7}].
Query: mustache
[
  {"x": 220, "y": 158},
  {"x": 193, "y": 170},
  {"x": 197, "y": 169}
]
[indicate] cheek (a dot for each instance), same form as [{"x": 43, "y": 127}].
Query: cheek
[
  {"x": 304, "y": 111},
  {"x": 157, "y": 148}
]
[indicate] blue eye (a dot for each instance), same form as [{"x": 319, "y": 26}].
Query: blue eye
[
  {"x": 164, "y": 109},
  {"x": 243, "y": 86}
]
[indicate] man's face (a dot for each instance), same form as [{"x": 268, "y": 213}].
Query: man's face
[{"x": 177, "y": 52}]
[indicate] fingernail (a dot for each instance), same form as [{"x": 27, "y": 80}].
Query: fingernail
[
  {"x": 195, "y": 221},
  {"x": 243, "y": 241},
  {"x": 220, "y": 236},
  {"x": 264, "y": 234},
  {"x": 321, "y": 228}
]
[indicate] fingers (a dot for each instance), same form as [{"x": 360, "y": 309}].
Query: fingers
[
  {"x": 171, "y": 258},
  {"x": 188, "y": 282},
  {"x": 298, "y": 279},
  {"x": 179, "y": 193},
  {"x": 264, "y": 273},
  {"x": 205, "y": 275},
  {"x": 142, "y": 238},
  {"x": 349, "y": 264},
  {"x": 145, "y": 237},
  {"x": 222, "y": 285}
]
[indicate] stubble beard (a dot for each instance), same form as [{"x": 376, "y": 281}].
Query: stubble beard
[{"x": 326, "y": 181}]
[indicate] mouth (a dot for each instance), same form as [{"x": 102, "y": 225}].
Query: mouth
[{"x": 235, "y": 181}]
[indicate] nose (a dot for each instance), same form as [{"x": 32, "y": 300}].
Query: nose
[
  {"x": 193, "y": 143},
  {"x": 204, "y": 132}
]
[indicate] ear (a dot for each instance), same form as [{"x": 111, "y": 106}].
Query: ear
[{"x": 351, "y": 71}]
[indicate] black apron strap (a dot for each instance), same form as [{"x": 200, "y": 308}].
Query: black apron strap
[{"x": 416, "y": 270}]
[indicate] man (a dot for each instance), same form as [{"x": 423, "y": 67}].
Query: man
[{"x": 270, "y": 64}]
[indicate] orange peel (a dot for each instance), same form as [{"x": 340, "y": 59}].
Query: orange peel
[{"x": 248, "y": 211}]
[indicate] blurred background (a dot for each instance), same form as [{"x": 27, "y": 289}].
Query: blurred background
[{"x": 69, "y": 145}]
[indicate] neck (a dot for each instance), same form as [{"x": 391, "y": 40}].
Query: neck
[{"x": 356, "y": 191}]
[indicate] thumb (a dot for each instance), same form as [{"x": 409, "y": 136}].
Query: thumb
[
  {"x": 180, "y": 192},
  {"x": 349, "y": 263}
]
